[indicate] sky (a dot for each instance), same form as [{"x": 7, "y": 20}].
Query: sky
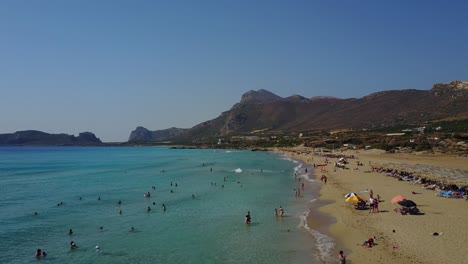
[{"x": 110, "y": 66}]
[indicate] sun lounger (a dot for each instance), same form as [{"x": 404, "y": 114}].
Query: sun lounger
[{"x": 430, "y": 187}]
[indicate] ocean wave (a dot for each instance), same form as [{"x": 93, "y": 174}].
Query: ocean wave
[
  {"x": 238, "y": 170},
  {"x": 298, "y": 167},
  {"x": 307, "y": 177},
  {"x": 324, "y": 243}
]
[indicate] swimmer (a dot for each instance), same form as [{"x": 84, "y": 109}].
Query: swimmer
[
  {"x": 70, "y": 232},
  {"x": 97, "y": 249},
  {"x": 154, "y": 203},
  {"x": 281, "y": 211},
  {"x": 193, "y": 196},
  {"x": 132, "y": 229},
  {"x": 73, "y": 245},
  {"x": 99, "y": 198},
  {"x": 148, "y": 209},
  {"x": 81, "y": 198},
  {"x": 120, "y": 211},
  {"x": 248, "y": 218},
  {"x": 164, "y": 207},
  {"x": 44, "y": 254},
  {"x": 101, "y": 228},
  {"x": 119, "y": 202},
  {"x": 276, "y": 212},
  {"x": 35, "y": 213},
  {"x": 172, "y": 191},
  {"x": 38, "y": 253},
  {"x": 176, "y": 185},
  {"x": 222, "y": 186},
  {"x": 211, "y": 169}
]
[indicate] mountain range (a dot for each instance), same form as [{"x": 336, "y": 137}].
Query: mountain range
[{"x": 265, "y": 112}]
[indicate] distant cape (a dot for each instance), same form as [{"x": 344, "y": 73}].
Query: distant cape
[{"x": 38, "y": 138}]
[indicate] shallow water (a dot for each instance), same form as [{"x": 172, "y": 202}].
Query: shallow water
[{"x": 207, "y": 229}]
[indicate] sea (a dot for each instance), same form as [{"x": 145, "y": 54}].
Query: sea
[{"x": 206, "y": 192}]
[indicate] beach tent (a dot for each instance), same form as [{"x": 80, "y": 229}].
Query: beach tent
[
  {"x": 350, "y": 194},
  {"x": 354, "y": 198},
  {"x": 398, "y": 198}
]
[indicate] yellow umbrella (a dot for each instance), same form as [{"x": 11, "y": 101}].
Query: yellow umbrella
[{"x": 354, "y": 199}]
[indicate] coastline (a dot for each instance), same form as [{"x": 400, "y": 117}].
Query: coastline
[{"x": 413, "y": 240}]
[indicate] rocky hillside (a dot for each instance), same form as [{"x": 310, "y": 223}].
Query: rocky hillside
[
  {"x": 141, "y": 134},
  {"x": 264, "y": 111},
  {"x": 38, "y": 138}
]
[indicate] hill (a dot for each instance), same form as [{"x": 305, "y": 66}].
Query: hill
[
  {"x": 267, "y": 112},
  {"x": 38, "y": 138}
]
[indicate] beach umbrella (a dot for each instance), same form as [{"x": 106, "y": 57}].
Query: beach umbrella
[
  {"x": 350, "y": 194},
  {"x": 398, "y": 198},
  {"x": 354, "y": 198},
  {"x": 407, "y": 203}
]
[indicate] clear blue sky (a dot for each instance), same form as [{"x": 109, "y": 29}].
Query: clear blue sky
[{"x": 109, "y": 66}]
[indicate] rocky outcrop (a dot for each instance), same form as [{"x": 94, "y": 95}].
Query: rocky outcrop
[
  {"x": 38, "y": 138},
  {"x": 141, "y": 134}
]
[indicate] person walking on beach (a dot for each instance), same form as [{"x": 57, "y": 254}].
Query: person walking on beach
[
  {"x": 341, "y": 258},
  {"x": 371, "y": 205}
]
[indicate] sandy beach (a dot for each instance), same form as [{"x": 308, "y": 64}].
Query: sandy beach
[{"x": 400, "y": 238}]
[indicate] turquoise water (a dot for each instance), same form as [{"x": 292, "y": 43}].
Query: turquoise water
[{"x": 207, "y": 229}]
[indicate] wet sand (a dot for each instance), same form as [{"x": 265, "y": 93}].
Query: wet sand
[{"x": 413, "y": 240}]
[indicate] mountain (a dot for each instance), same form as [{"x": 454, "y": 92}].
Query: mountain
[
  {"x": 265, "y": 111},
  {"x": 38, "y": 138},
  {"x": 141, "y": 134}
]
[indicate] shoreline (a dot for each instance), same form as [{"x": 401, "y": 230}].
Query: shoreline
[{"x": 408, "y": 243}]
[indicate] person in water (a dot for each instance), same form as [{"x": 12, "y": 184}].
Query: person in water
[
  {"x": 99, "y": 198},
  {"x": 119, "y": 202},
  {"x": 120, "y": 211},
  {"x": 132, "y": 229},
  {"x": 248, "y": 218},
  {"x": 35, "y": 213},
  {"x": 73, "y": 245},
  {"x": 38, "y": 253},
  {"x": 70, "y": 232},
  {"x": 148, "y": 209},
  {"x": 281, "y": 211},
  {"x": 341, "y": 258},
  {"x": 276, "y": 212},
  {"x": 164, "y": 207},
  {"x": 193, "y": 196}
]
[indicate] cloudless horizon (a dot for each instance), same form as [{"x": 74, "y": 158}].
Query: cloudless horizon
[{"x": 110, "y": 66}]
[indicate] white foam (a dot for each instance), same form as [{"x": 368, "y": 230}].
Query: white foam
[
  {"x": 298, "y": 167},
  {"x": 228, "y": 151},
  {"x": 306, "y": 177},
  {"x": 238, "y": 170},
  {"x": 324, "y": 243}
]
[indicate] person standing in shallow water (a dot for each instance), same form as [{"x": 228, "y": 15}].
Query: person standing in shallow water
[
  {"x": 248, "y": 218},
  {"x": 342, "y": 258}
]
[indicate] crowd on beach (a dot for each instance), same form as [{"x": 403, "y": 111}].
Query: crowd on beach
[{"x": 427, "y": 183}]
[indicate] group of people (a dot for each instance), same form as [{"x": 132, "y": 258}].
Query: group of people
[{"x": 373, "y": 202}]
